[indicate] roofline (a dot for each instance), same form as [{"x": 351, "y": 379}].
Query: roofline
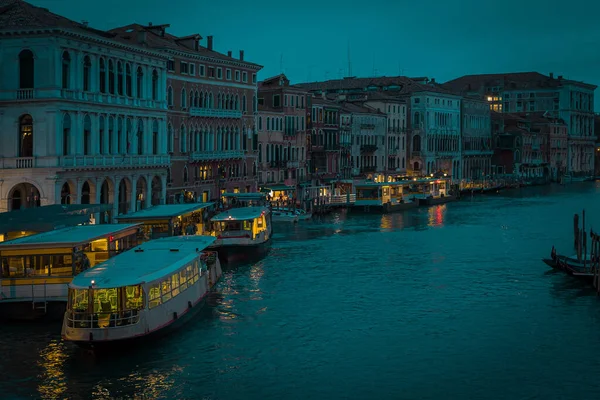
[
  {"x": 5, "y": 246},
  {"x": 215, "y": 60},
  {"x": 70, "y": 32}
]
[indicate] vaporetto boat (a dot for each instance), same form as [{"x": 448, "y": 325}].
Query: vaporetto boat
[{"x": 143, "y": 293}]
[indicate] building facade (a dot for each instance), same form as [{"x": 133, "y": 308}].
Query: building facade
[
  {"x": 278, "y": 99},
  {"x": 436, "y": 133},
  {"x": 212, "y": 102},
  {"x": 325, "y": 139},
  {"x": 273, "y": 151},
  {"x": 476, "y": 141},
  {"x": 571, "y": 101},
  {"x": 83, "y": 115}
]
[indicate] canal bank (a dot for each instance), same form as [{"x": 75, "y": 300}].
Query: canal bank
[{"x": 442, "y": 302}]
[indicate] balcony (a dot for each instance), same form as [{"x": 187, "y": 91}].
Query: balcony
[
  {"x": 415, "y": 154},
  {"x": 28, "y": 162},
  {"x": 216, "y": 155},
  {"x": 367, "y": 126},
  {"x": 214, "y": 113},
  {"x": 293, "y": 164},
  {"x": 277, "y": 164},
  {"x": 368, "y": 148},
  {"x": 368, "y": 169},
  {"x": 114, "y": 161}
]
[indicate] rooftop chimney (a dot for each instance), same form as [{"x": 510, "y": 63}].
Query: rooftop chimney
[
  {"x": 229, "y": 53},
  {"x": 141, "y": 36},
  {"x": 209, "y": 42},
  {"x": 551, "y": 75},
  {"x": 241, "y": 55}
]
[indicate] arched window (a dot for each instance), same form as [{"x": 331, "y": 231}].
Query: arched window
[
  {"x": 197, "y": 99},
  {"x": 185, "y": 174},
  {"x": 170, "y": 139},
  {"x": 260, "y": 123},
  {"x": 244, "y": 105},
  {"x": 182, "y": 139},
  {"x": 260, "y": 159},
  {"x": 170, "y": 96},
  {"x": 191, "y": 98},
  {"x": 66, "y": 67},
  {"x": 155, "y": 137},
  {"x": 26, "y": 69},
  {"x": 140, "y": 137},
  {"x": 87, "y": 135},
  {"x": 101, "y": 138},
  {"x": 66, "y": 135},
  {"x": 111, "y": 127},
  {"x": 416, "y": 146},
  {"x": 111, "y": 77},
  {"x": 120, "y": 90},
  {"x": 139, "y": 82},
  {"x": 183, "y": 98},
  {"x": 154, "y": 85},
  {"x": 128, "y": 80},
  {"x": 26, "y": 136},
  {"x": 87, "y": 70},
  {"x": 102, "y": 76}
]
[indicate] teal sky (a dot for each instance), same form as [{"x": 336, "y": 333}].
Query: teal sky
[{"x": 434, "y": 38}]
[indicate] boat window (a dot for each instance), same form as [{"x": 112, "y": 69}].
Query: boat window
[
  {"x": 154, "y": 296},
  {"x": 134, "y": 297},
  {"x": 79, "y": 300},
  {"x": 175, "y": 284},
  {"x": 105, "y": 300},
  {"x": 183, "y": 279},
  {"x": 260, "y": 221},
  {"x": 166, "y": 290},
  {"x": 37, "y": 266}
]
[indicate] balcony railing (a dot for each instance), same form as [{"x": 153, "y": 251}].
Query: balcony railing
[
  {"x": 293, "y": 164},
  {"x": 367, "y": 126},
  {"x": 415, "y": 153},
  {"x": 368, "y": 148},
  {"x": 277, "y": 164},
  {"x": 100, "y": 161},
  {"x": 25, "y": 94},
  {"x": 368, "y": 169},
  {"x": 28, "y": 162},
  {"x": 214, "y": 112},
  {"x": 216, "y": 155}
]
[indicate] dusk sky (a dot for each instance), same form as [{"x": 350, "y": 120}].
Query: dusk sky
[{"x": 435, "y": 38}]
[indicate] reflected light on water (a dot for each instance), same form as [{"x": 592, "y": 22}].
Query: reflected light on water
[
  {"x": 153, "y": 385},
  {"x": 437, "y": 215},
  {"x": 53, "y": 383},
  {"x": 392, "y": 221}
]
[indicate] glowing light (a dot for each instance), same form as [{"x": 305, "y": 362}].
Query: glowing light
[{"x": 93, "y": 282}]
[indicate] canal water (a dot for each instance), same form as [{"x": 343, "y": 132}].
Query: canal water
[{"x": 451, "y": 302}]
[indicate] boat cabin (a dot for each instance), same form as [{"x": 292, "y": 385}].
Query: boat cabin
[
  {"x": 379, "y": 193},
  {"x": 170, "y": 219},
  {"x": 41, "y": 265},
  {"x": 157, "y": 277},
  {"x": 245, "y": 222},
  {"x": 231, "y": 200}
]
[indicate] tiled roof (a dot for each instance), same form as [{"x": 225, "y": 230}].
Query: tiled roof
[
  {"x": 325, "y": 102},
  {"x": 356, "y": 108},
  {"x": 129, "y": 33},
  {"x": 18, "y": 14},
  {"x": 514, "y": 80},
  {"x": 406, "y": 86}
]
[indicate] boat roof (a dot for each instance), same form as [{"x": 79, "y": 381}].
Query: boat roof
[
  {"x": 245, "y": 196},
  {"x": 70, "y": 237},
  {"x": 148, "y": 262},
  {"x": 239, "y": 214},
  {"x": 47, "y": 218},
  {"x": 163, "y": 211}
]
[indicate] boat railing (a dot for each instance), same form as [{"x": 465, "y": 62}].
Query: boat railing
[
  {"x": 234, "y": 234},
  {"x": 85, "y": 320}
]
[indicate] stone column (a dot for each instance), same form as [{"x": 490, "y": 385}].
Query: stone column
[
  {"x": 148, "y": 194},
  {"x": 116, "y": 197},
  {"x": 133, "y": 197},
  {"x": 77, "y": 197},
  {"x": 99, "y": 216},
  {"x": 163, "y": 189}
]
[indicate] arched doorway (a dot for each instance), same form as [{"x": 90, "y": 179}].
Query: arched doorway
[
  {"x": 106, "y": 197},
  {"x": 85, "y": 193},
  {"x": 141, "y": 191},
  {"x": 24, "y": 195},
  {"x": 66, "y": 194},
  {"x": 124, "y": 190},
  {"x": 156, "y": 190}
]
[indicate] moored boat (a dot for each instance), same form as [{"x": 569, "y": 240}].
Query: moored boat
[
  {"x": 140, "y": 294},
  {"x": 299, "y": 212},
  {"x": 279, "y": 215},
  {"x": 242, "y": 233}
]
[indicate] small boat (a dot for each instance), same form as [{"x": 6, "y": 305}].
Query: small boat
[
  {"x": 570, "y": 264},
  {"x": 241, "y": 233},
  {"x": 140, "y": 294},
  {"x": 299, "y": 212},
  {"x": 280, "y": 215}
]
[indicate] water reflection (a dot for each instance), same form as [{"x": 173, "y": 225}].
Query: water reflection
[
  {"x": 437, "y": 215},
  {"x": 53, "y": 383}
]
